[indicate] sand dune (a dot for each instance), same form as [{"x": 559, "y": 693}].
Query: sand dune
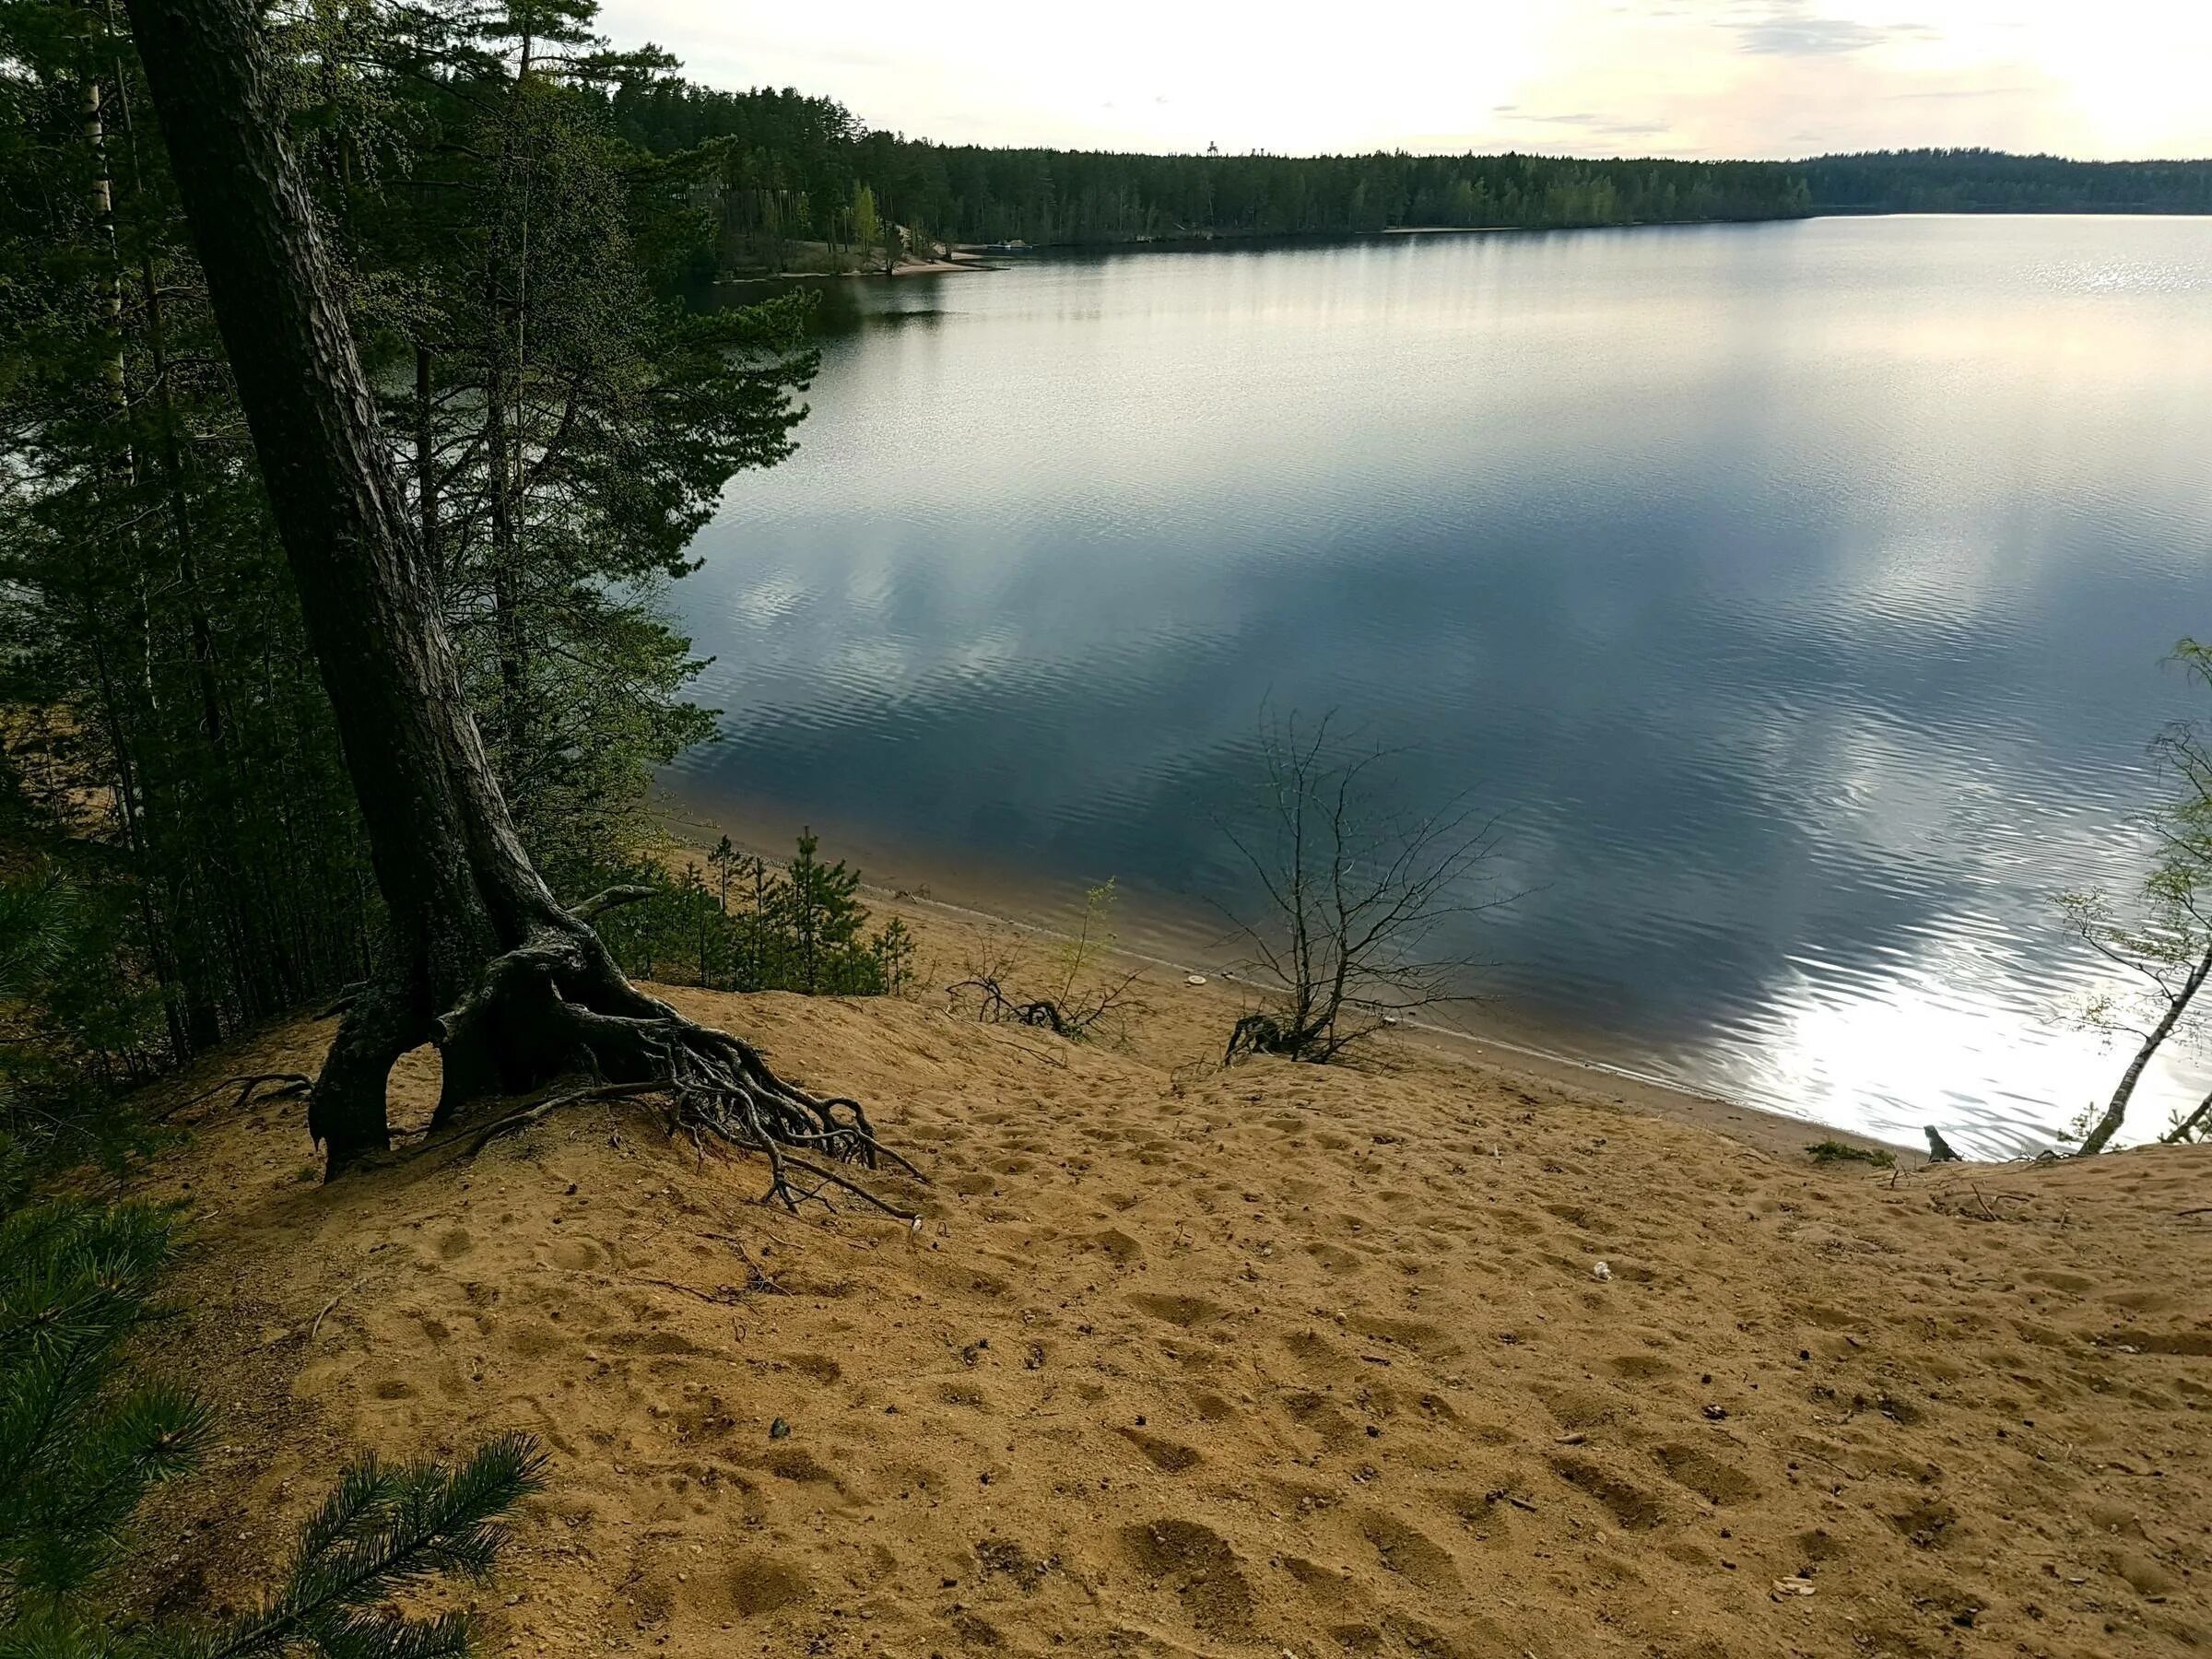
[{"x": 1272, "y": 1362}]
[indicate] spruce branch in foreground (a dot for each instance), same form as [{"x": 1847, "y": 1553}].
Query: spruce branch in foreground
[
  {"x": 381, "y": 1529},
  {"x": 80, "y": 1444}
]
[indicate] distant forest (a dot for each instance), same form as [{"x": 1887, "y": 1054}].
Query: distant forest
[
  {"x": 796, "y": 170},
  {"x": 1978, "y": 181}
]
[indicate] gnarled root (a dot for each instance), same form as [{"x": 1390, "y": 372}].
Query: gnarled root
[
  {"x": 560, "y": 1002},
  {"x": 1256, "y": 1034},
  {"x": 282, "y": 1086},
  {"x": 994, "y": 1005}
]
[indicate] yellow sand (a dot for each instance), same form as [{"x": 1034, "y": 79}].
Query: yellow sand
[{"x": 1276, "y": 1360}]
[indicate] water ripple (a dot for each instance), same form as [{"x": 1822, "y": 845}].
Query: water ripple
[{"x": 1798, "y": 591}]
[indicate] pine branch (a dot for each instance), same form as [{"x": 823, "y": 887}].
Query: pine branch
[
  {"x": 381, "y": 1529},
  {"x": 74, "y": 1281}
]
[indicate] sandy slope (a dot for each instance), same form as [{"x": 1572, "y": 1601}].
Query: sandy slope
[{"x": 1269, "y": 1361}]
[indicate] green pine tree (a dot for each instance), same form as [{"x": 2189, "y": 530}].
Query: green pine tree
[{"x": 81, "y": 1441}]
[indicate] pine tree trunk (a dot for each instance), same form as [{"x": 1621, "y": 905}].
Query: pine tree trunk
[
  {"x": 426, "y": 467},
  {"x": 508, "y": 641},
  {"x": 458, "y": 887},
  {"x": 480, "y": 959}
]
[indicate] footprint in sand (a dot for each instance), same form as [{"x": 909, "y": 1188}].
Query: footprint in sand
[
  {"x": 1165, "y": 1454},
  {"x": 1631, "y": 1508},
  {"x": 575, "y": 1255},
  {"x": 1697, "y": 1470},
  {"x": 1411, "y": 1554},
  {"x": 1196, "y": 1563},
  {"x": 1181, "y": 1311},
  {"x": 1120, "y": 1248},
  {"x": 1325, "y": 1584},
  {"x": 762, "y": 1583}
]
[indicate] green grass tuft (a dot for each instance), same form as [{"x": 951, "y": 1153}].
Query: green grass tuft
[{"x": 1836, "y": 1151}]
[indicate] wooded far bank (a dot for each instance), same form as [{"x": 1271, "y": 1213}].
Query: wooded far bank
[{"x": 793, "y": 169}]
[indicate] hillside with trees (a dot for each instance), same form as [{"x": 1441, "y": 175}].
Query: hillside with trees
[{"x": 1983, "y": 180}]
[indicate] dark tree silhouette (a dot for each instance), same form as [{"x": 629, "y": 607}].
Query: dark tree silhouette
[{"x": 479, "y": 959}]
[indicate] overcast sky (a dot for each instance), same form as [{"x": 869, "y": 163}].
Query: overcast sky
[{"x": 1677, "y": 78}]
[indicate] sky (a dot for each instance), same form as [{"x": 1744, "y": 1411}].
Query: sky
[{"x": 2098, "y": 78}]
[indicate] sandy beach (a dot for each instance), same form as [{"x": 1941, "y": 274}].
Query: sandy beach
[
  {"x": 964, "y": 906},
  {"x": 1420, "y": 1357}
]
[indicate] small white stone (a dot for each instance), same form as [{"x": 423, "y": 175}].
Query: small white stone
[{"x": 1601, "y": 1272}]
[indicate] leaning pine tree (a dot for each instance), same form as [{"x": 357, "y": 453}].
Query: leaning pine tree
[{"x": 514, "y": 989}]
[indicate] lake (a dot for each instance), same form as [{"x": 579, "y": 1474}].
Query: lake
[{"x": 1798, "y": 592}]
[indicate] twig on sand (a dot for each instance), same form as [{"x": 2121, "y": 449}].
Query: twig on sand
[
  {"x": 516, "y": 1121},
  {"x": 1046, "y": 1055},
  {"x": 756, "y": 1276},
  {"x": 315, "y": 1330},
  {"x": 1830, "y": 1462},
  {"x": 290, "y": 1087},
  {"x": 714, "y": 1296}
]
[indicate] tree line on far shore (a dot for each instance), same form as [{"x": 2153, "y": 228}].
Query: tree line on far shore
[
  {"x": 793, "y": 170},
  {"x": 796, "y": 177}
]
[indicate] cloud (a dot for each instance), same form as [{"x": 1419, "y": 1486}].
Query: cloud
[
  {"x": 1717, "y": 78},
  {"x": 1605, "y": 125},
  {"x": 1944, "y": 92},
  {"x": 1790, "y": 29}
]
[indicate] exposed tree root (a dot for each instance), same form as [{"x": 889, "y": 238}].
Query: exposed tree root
[
  {"x": 718, "y": 1087},
  {"x": 997, "y": 1005},
  {"x": 740, "y": 1114},
  {"x": 287, "y": 1086},
  {"x": 1256, "y": 1034}
]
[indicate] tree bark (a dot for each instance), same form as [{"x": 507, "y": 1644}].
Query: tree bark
[
  {"x": 2189, "y": 1127},
  {"x": 426, "y": 469},
  {"x": 458, "y": 888}
]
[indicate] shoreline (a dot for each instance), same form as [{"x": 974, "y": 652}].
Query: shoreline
[
  {"x": 988, "y": 899},
  {"x": 1171, "y": 242},
  {"x": 1769, "y": 1130}
]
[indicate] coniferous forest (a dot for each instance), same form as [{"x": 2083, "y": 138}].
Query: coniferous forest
[
  {"x": 182, "y": 850},
  {"x": 787, "y": 169}
]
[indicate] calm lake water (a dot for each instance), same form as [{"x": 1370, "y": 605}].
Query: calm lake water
[{"x": 1798, "y": 591}]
